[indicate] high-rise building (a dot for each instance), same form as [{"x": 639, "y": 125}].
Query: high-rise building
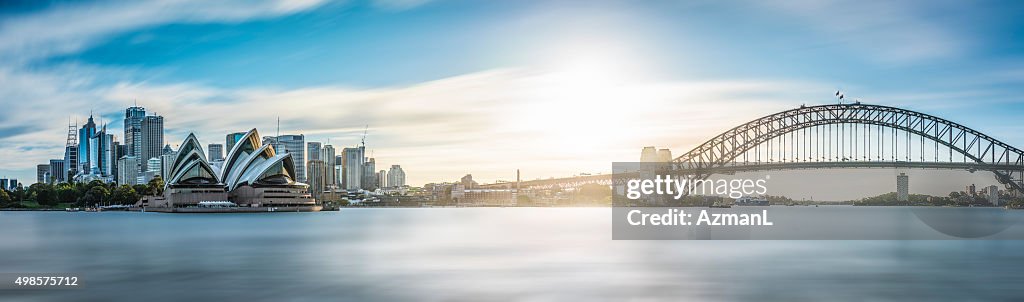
[
  {"x": 382, "y": 178},
  {"x": 86, "y": 133},
  {"x": 42, "y": 173},
  {"x": 902, "y": 187},
  {"x": 152, "y": 138},
  {"x": 313, "y": 151},
  {"x": 127, "y": 171},
  {"x": 296, "y": 145},
  {"x": 133, "y": 130},
  {"x": 231, "y": 139},
  {"x": 58, "y": 171},
  {"x": 369, "y": 181},
  {"x": 396, "y": 176},
  {"x": 70, "y": 161},
  {"x": 664, "y": 155},
  {"x": 330, "y": 177},
  {"x": 993, "y": 195},
  {"x": 8, "y": 184},
  {"x": 216, "y": 152},
  {"x": 166, "y": 162},
  {"x": 154, "y": 164},
  {"x": 102, "y": 155},
  {"x": 317, "y": 170},
  {"x": 352, "y": 170}
]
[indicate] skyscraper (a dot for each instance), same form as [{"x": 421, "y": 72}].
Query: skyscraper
[
  {"x": 369, "y": 177},
  {"x": 58, "y": 171},
  {"x": 102, "y": 154},
  {"x": 330, "y": 177},
  {"x": 902, "y": 187},
  {"x": 127, "y": 173},
  {"x": 42, "y": 173},
  {"x": 296, "y": 145},
  {"x": 152, "y": 138},
  {"x": 216, "y": 152},
  {"x": 231, "y": 139},
  {"x": 84, "y": 135},
  {"x": 396, "y": 176},
  {"x": 133, "y": 130},
  {"x": 316, "y": 170},
  {"x": 166, "y": 162},
  {"x": 382, "y": 178},
  {"x": 352, "y": 168},
  {"x": 313, "y": 151}
]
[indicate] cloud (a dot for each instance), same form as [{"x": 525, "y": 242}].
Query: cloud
[
  {"x": 70, "y": 28},
  {"x": 886, "y": 31}
]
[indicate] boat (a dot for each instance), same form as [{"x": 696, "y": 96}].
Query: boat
[{"x": 720, "y": 205}]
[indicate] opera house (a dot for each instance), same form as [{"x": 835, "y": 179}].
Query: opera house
[{"x": 252, "y": 178}]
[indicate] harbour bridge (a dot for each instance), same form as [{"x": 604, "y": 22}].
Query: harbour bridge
[{"x": 852, "y": 135}]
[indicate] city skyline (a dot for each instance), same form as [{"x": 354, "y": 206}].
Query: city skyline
[{"x": 488, "y": 103}]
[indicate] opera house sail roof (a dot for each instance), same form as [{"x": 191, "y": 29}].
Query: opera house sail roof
[{"x": 249, "y": 163}]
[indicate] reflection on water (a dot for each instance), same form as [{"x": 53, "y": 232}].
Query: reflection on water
[{"x": 487, "y": 254}]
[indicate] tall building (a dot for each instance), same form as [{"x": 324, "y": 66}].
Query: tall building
[
  {"x": 42, "y": 173},
  {"x": 70, "y": 161},
  {"x": 993, "y": 195},
  {"x": 313, "y": 151},
  {"x": 58, "y": 171},
  {"x": 216, "y": 152},
  {"x": 133, "y": 130},
  {"x": 86, "y": 133},
  {"x": 382, "y": 178},
  {"x": 127, "y": 171},
  {"x": 296, "y": 145},
  {"x": 317, "y": 170},
  {"x": 369, "y": 181},
  {"x": 8, "y": 184},
  {"x": 902, "y": 187},
  {"x": 166, "y": 161},
  {"x": 664, "y": 155},
  {"x": 352, "y": 168},
  {"x": 152, "y": 138},
  {"x": 339, "y": 169},
  {"x": 102, "y": 156},
  {"x": 330, "y": 177},
  {"x": 231, "y": 139},
  {"x": 396, "y": 176}
]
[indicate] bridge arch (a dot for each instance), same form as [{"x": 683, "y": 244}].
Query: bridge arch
[{"x": 723, "y": 150}]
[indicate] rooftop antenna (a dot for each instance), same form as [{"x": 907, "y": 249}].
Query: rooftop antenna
[{"x": 279, "y": 126}]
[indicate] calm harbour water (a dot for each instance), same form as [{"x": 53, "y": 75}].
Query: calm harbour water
[{"x": 474, "y": 254}]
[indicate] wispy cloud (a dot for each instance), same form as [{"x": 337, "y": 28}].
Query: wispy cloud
[
  {"x": 69, "y": 28},
  {"x": 890, "y": 31}
]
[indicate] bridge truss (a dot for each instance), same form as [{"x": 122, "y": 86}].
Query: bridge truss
[{"x": 854, "y": 136}]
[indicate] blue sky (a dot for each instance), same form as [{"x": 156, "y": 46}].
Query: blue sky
[{"x": 447, "y": 86}]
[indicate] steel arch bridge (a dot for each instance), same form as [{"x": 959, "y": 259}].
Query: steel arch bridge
[{"x": 854, "y": 136}]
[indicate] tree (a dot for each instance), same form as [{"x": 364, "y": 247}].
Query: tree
[
  {"x": 19, "y": 194},
  {"x": 141, "y": 189},
  {"x": 156, "y": 186},
  {"x": 44, "y": 194},
  {"x": 67, "y": 193},
  {"x": 5, "y": 199},
  {"x": 125, "y": 195},
  {"x": 95, "y": 196}
]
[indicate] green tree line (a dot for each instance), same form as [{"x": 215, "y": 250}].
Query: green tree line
[{"x": 77, "y": 194}]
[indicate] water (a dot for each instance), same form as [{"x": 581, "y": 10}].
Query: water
[{"x": 474, "y": 254}]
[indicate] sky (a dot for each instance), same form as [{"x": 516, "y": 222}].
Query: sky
[{"x": 447, "y": 88}]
